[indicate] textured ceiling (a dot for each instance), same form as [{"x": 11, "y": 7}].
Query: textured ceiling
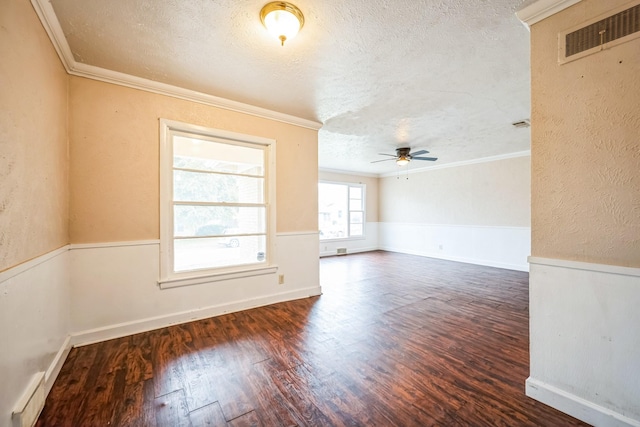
[{"x": 449, "y": 76}]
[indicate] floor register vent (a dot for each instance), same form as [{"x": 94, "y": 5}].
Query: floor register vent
[
  {"x": 30, "y": 404},
  {"x": 617, "y": 26}
]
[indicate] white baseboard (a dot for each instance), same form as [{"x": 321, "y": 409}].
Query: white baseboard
[
  {"x": 584, "y": 342},
  {"x": 493, "y": 246},
  {"x": 143, "y": 325},
  {"x": 475, "y": 261},
  {"x": 575, "y": 406},
  {"x": 349, "y": 251},
  {"x": 56, "y": 364}
]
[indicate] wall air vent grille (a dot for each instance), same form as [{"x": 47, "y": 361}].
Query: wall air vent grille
[{"x": 600, "y": 33}]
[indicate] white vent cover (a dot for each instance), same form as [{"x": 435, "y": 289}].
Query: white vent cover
[
  {"x": 615, "y": 27},
  {"x": 30, "y": 404}
]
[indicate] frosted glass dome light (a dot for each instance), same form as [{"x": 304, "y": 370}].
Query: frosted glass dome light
[{"x": 282, "y": 19}]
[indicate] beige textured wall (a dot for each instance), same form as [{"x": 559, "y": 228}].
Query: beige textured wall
[
  {"x": 371, "y": 184},
  {"x": 33, "y": 139},
  {"x": 492, "y": 194},
  {"x": 585, "y": 146},
  {"x": 114, "y": 149}
]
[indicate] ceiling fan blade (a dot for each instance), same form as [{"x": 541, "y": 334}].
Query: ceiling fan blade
[
  {"x": 383, "y": 154},
  {"x": 424, "y": 158},
  {"x": 383, "y": 160},
  {"x": 417, "y": 153}
]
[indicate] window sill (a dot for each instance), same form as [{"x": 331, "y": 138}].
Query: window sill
[
  {"x": 216, "y": 277},
  {"x": 343, "y": 239}
]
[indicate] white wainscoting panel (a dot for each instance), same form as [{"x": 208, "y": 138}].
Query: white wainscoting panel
[
  {"x": 368, "y": 243},
  {"x": 585, "y": 340},
  {"x": 503, "y": 247},
  {"x": 34, "y": 324},
  {"x": 116, "y": 291}
]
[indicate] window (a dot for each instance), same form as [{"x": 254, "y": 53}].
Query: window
[
  {"x": 340, "y": 210},
  {"x": 216, "y": 203}
]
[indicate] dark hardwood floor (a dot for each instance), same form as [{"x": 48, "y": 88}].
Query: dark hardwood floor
[{"x": 395, "y": 340}]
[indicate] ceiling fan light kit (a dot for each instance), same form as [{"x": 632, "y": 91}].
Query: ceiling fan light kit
[
  {"x": 282, "y": 19},
  {"x": 404, "y": 155}
]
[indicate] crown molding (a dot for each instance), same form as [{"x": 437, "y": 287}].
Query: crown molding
[
  {"x": 542, "y": 9},
  {"x": 50, "y": 22},
  {"x": 461, "y": 163},
  {"x": 350, "y": 173}
]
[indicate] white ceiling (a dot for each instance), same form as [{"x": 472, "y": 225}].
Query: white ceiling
[{"x": 449, "y": 76}]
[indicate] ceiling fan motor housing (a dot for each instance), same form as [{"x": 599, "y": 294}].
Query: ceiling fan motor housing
[{"x": 403, "y": 152}]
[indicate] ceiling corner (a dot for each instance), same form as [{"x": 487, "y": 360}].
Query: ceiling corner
[
  {"x": 51, "y": 24},
  {"x": 542, "y": 9},
  {"x": 49, "y": 21}
]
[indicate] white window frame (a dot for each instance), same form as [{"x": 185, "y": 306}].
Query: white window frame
[
  {"x": 168, "y": 277},
  {"x": 363, "y": 187}
]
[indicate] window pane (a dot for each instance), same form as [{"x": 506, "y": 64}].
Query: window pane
[
  {"x": 210, "y": 187},
  {"x": 356, "y": 217},
  {"x": 355, "y": 193},
  {"x": 190, "y": 220},
  {"x": 333, "y": 210},
  {"x": 356, "y": 229},
  {"x": 194, "y": 153},
  {"x": 355, "y": 204},
  {"x": 195, "y": 254}
]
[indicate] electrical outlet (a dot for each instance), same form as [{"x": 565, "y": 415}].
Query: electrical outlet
[{"x": 281, "y": 279}]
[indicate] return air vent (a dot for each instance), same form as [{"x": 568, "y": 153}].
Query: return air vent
[{"x": 617, "y": 26}]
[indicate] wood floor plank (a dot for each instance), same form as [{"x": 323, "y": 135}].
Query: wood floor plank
[
  {"x": 139, "y": 361},
  {"x": 250, "y": 419},
  {"x": 171, "y": 410},
  {"x": 435, "y": 343},
  {"x": 137, "y": 407},
  {"x": 209, "y": 416}
]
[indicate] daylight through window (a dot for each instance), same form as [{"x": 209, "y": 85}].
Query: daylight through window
[
  {"x": 340, "y": 210},
  {"x": 216, "y": 215}
]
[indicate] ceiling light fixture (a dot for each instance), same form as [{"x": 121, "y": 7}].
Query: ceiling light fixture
[
  {"x": 403, "y": 160},
  {"x": 282, "y": 19}
]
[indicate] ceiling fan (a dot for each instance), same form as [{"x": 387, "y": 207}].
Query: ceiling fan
[{"x": 404, "y": 155}]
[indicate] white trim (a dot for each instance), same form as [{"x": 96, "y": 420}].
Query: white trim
[
  {"x": 28, "y": 265},
  {"x": 51, "y": 24},
  {"x": 32, "y": 400},
  {"x": 363, "y": 202},
  {"x": 216, "y": 277},
  {"x": 75, "y": 246},
  {"x": 421, "y": 224},
  {"x": 169, "y": 278},
  {"x": 350, "y": 173},
  {"x": 47, "y": 378},
  {"x": 129, "y": 328},
  {"x": 344, "y": 239},
  {"x": 349, "y": 251},
  {"x": 493, "y": 246},
  {"x": 475, "y": 261},
  {"x": 298, "y": 233},
  {"x": 542, "y": 9},
  {"x": 56, "y": 364},
  {"x": 575, "y": 406},
  {"x": 461, "y": 163},
  {"x": 586, "y": 266}
]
